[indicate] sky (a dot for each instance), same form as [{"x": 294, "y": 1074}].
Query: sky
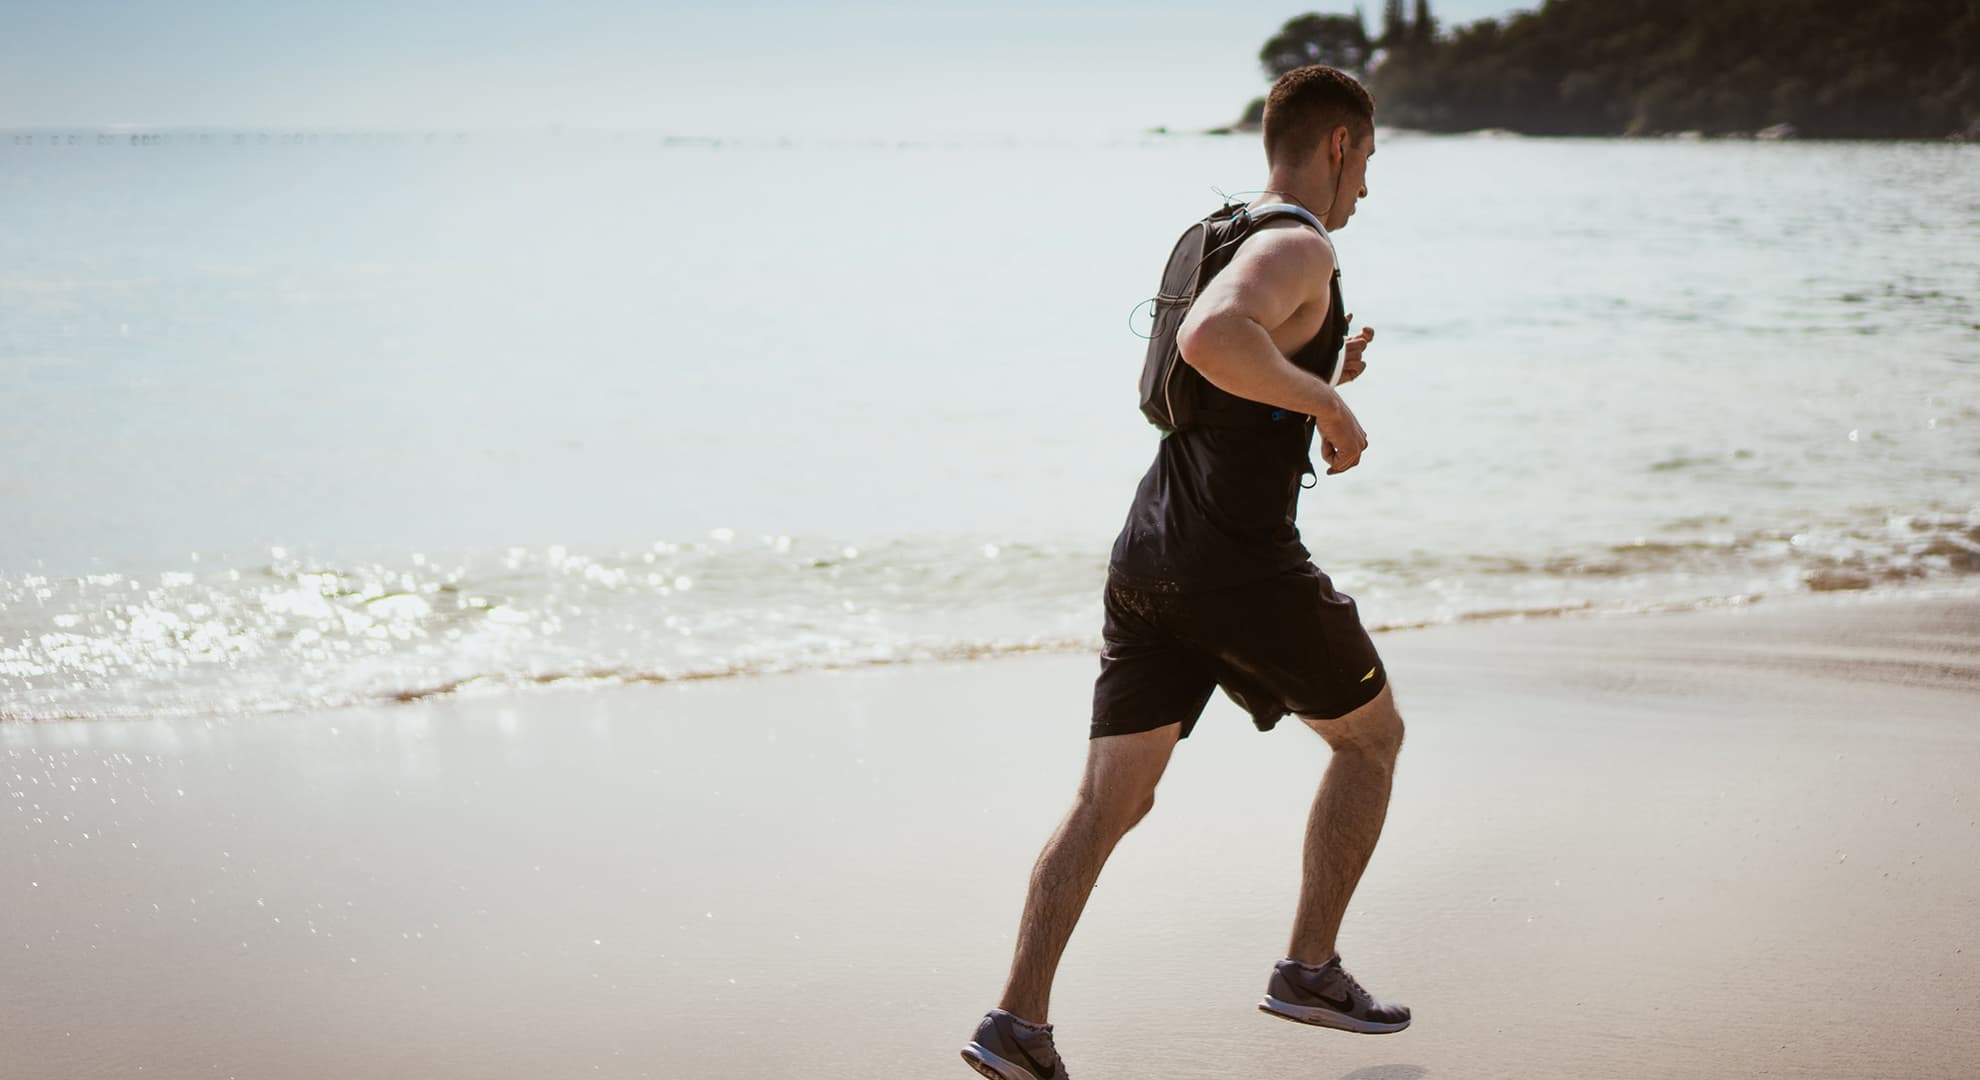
[{"x": 737, "y": 68}]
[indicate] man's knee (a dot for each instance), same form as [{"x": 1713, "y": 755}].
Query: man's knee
[
  {"x": 1117, "y": 809},
  {"x": 1375, "y": 729},
  {"x": 1118, "y": 789},
  {"x": 1385, "y": 736}
]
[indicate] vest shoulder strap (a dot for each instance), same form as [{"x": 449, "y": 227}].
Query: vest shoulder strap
[{"x": 1272, "y": 210}]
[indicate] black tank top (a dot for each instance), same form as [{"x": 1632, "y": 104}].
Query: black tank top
[{"x": 1217, "y": 506}]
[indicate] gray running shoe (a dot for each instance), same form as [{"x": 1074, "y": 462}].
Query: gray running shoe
[
  {"x": 1002, "y": 1051},
  {"x": 1330, "y": 999}
]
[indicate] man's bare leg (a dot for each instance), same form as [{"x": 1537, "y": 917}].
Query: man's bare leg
[
  {"x": 1117, "y": 791},
  {"x": 1346, "y": 820}
]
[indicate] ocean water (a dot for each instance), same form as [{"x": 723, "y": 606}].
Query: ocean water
[{"x": 299, "y": 422}]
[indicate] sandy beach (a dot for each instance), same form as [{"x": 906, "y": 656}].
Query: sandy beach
[{"x": 1730, "y": 843}]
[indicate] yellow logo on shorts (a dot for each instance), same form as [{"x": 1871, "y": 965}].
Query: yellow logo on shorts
[{"x": 1370, "y": 675}]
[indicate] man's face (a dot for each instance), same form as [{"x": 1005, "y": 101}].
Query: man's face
[{"x": 1354, "y": 155}]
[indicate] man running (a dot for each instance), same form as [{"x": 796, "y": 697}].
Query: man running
[{"x": 1209, "y": 586}]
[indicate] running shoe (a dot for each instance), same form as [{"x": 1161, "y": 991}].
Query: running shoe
[
  {"x": 1329, "y": 998},
  {"x": 1002, "y": 1050}
]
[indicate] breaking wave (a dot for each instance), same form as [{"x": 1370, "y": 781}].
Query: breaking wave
[{"x": 295, "y": 632}]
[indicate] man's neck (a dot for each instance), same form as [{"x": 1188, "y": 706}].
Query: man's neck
[{"x": 1303, "y": 192}]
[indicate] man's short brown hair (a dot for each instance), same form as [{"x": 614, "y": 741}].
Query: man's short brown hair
[{"x": 1307, "y": 104}]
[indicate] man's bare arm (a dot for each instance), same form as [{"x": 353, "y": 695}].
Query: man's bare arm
[{"x": 1227, "y": 335}]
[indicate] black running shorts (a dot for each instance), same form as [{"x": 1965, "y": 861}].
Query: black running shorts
[{"x": 1287, "y": 644}]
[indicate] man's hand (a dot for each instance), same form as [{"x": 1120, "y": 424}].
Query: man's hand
[
  {"x": 1342, "y": 439},
  {"x": 1354, "y": 363}
]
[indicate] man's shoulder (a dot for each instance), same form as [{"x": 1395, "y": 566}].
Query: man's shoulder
[{"x": 1291, "y": 244}]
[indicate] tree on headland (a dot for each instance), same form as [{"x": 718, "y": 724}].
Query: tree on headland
[
  {"x": 1423, "y": 28},
  {"x": 1334, "y": 40},
  {"x": 1826, "y": 68},
  {"x": 1395, "y": 25}
]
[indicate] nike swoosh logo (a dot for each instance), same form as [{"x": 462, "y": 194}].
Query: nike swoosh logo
[
  {"x": 1345, "y": 1005},
  {"x": 1370, "y": 675},
  {"x": 1037, "y": 1065}
]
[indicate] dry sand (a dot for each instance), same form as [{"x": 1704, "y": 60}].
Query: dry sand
[{"x": 1720, "y": 844}]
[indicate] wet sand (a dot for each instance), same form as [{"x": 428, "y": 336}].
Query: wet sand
[{"x": 1732, "y": 843}]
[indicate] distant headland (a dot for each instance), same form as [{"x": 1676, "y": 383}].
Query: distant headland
[{"x": 1836, "y": 69}]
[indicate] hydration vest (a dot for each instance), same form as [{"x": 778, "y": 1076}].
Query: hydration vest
[{"x": 1174, "y": 395}]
